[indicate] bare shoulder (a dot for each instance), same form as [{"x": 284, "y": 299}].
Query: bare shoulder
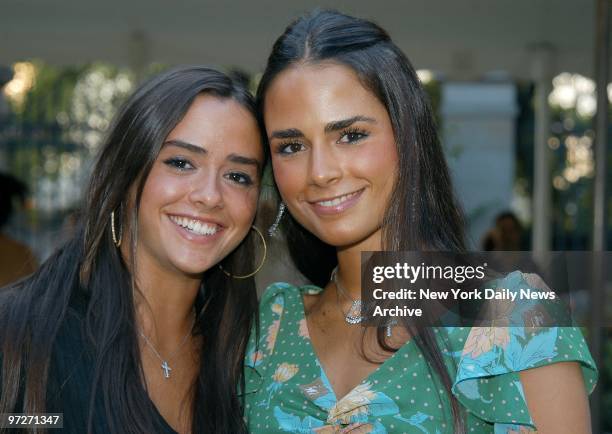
[{"x": 556, "y": 398}]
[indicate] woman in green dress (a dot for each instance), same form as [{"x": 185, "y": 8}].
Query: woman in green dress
[{"x": 359, "y": 167}]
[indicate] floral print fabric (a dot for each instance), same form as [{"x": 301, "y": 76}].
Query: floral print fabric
[{"x": 287, "y": 390}]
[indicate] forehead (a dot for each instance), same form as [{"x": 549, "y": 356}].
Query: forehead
[
  {"x": 218, "y": 123},
  {"x": 318, "y": 93}
]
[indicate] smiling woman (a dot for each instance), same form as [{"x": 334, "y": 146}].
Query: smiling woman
[
  {"x": 332, "y": 143},
  {"x": 202, "y": 188},
  {"x": 359, "y": 166},
  {"x": 133, "y": 326}
]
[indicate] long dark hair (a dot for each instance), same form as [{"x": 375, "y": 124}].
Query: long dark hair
[
  {"x": 422, "y": 213},
  {"x": 90, "y": 266}
]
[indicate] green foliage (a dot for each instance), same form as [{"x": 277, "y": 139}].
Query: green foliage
[
  {"x": 54, "y": 130},
  {"x": 51, "y": 94}
]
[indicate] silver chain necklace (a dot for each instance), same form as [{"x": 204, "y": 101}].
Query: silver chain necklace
[
  {"x": 164, "y": 365},
  {"x": 353, "y": 316}
]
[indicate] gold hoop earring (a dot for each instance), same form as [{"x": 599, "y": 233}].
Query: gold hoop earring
[
  {"x": 116, "y": 240},
  {"x": 263, "y": 259}
]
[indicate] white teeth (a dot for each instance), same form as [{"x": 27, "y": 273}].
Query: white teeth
[
  {"x": 195, "y": 226},
  {"x": 337, "y": 201}
]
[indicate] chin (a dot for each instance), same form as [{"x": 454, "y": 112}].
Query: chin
[
  {"x": 339, "y": 240},
  {"x": 345, "y": 239},
  {"x": 193, "y": 268}
]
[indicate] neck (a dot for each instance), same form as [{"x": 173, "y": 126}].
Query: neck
[
  {"x": 349, "y": 263},
  {"x": 164, "y": 303}
]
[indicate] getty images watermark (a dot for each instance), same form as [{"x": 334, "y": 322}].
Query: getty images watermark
[{"x": 483, "y": 289}]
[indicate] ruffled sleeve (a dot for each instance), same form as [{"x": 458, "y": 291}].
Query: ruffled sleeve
[{"x": 487, "y": 382}]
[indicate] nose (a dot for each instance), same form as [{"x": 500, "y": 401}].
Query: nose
[
  {"x": 325, "y": 169},
  {"x": 206, "y": 191}
]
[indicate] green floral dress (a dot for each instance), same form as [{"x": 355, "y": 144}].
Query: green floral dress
[{"x": 287, "y": 390}]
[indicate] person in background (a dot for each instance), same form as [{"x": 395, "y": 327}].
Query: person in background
[
  {"x": 506, "y": 235},
  {"x": 16, "y": 259}
]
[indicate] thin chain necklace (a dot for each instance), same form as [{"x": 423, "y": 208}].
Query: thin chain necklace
[
  {"x": 164, "y": 365},
  {"x": 353, "y": 316}
]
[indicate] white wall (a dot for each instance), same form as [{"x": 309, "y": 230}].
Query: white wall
[{"x": 479, "y": 137}]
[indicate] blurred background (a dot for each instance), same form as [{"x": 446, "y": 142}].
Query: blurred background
[{"x": 520, "y": 89}]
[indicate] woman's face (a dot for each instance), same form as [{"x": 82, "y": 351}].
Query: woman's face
[
  {"x": 200, "y": 197},
  {"x": 333, "y": 153}
]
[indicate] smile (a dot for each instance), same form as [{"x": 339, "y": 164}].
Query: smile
[
  {"x": 194, "y": 226},
  {"x": 338, "y": 200},
  {"x": 338, "y": 204}
]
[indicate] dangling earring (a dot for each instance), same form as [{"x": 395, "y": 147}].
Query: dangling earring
[
  {"x": 263, "y": 259},
  {"x": 281, "y": 210},
  {"x": 388, "y": 326},
  {"x": 116, "y": 240}
]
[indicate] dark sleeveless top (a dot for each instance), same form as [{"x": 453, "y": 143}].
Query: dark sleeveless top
[{"x": 71, "y": 373}]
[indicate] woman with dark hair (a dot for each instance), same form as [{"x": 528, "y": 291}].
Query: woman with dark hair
[
  {"x": 358, "y": 165},
  {"x": 139, "y": 323}
]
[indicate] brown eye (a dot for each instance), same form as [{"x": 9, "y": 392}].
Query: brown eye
[
  {"x": 290, "y": 148},
  {"x": 352, "y": 136},
  {"x": 239, "y": 178},
  {"x": 179, "y": 163}
]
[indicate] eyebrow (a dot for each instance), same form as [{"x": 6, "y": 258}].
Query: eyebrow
[
  {"x": 292, "y": 133},
  {"x": 344, "y": 123},
  {"x": 234, "y": 158},
  {"x": 241, "y": 159},
  {"x": 185, "y": 145}
]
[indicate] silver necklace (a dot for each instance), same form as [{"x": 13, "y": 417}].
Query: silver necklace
[
  {"x": 353, "y": 316},
  {"x": 164, "y": 365}
]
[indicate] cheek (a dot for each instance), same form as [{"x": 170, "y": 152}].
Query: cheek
[
  {"x": 160, "y": 188},
  {"x": 159, "y": 191},
  {"x": 241, "y": 205},
  {"x": 377, "y": 163},
  {"x": 288, "y": 176}
]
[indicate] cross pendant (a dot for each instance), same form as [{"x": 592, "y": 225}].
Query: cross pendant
[{"x": 166, "y": 369}]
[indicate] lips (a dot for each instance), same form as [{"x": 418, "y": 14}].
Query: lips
[
  {"x": 336, "y": 204},
  {"x": 196, "y": 226}
]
